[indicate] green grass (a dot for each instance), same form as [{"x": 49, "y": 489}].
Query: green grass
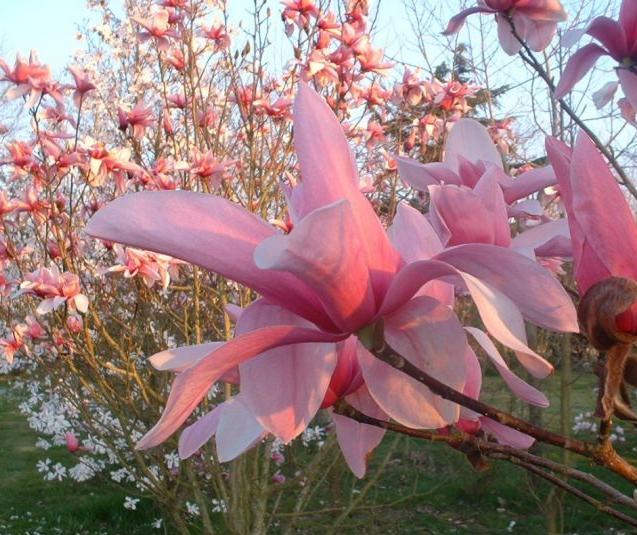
[
  {"x": 426, "y": 488},
  {"x": 28, "y": 504}
]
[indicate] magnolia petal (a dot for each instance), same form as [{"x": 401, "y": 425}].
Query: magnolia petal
[
  {"x": 578, "y": 65},
  {"x": 489, "y": 191},
  {"x": 473, "y": 383},
  {"x": 628, "y": 82},
  {"x": 548, "y": 239},
  {"x": 196, "y": 435},
  {"x": 541, "y": 299},
  {"x": 420, "y": 176},
  {"x": 457, "y": 21},
  {"x": 508, "y": 41},
  {"x": 430, "y": 336},
  {"x": 237, "y": 431},
  {"x": 355, "y": 439},
  {"x": 528, "y": 183},
  {"x": 507, "y": 435},
  {"x": 414, "y": 238},
  {"x": 180, "y": 358},
  {"x": 605, "y": 94},
  {"x": 329, "y": 175},
  {"x": 205, "y": 230},
  {"x": 416, "y": 406},
  {"x": 192, "y": 385},
  {"x": 518, "y": 386},
  {"x": 326, "y": 252},
  {"x": 470, "y": 140},
  {"x": 540, "y": 34},
  {"x": 284, "y": 387}
]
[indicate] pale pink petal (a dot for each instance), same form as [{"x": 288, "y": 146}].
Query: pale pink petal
[
  {"x": 192, "y": 385},
  {"x": 416, "y": 406},
  {"x": 284, "y": 387},
  {"x": 540, "y": 34},
  {"x": 329, "y": 174},
  {"x": 326, "y": 251},
  {"x": 196, "y": 435},
  {"x": 429, "y": 335},
  {"x": 357, "y": 440},
  {"x": 528, "y": 183},
  {"x": 470, "y": 140},
  {"x": 601, "y": 210},
  {"x": 237, "y": 431},
  {"x": 541, "y": 299},
  {"x": 578, "y": 65},
  {"x": 489, "y": 191},
  {"x": 459, "y": 216},
  {"x": 420, "y": 176},
  {"x": 206, "y": 230},
  {"x": 507, "y": 435},
  {"x": 414, "y": 238},
  {"x": 548, "y": 239},
  {"x": 180, "y": 358},
  {"x": 610, "y": 34},
  {"x": 508, "y": 41},
  {"x": 457, "y": 21},
  {"x": 605, "y": 94},
  {"x": 519, "y": 387},
  {"x": 628, "y": 80},
  {"x": 473, "y": 383}
]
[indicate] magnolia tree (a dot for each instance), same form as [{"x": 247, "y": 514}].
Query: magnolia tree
[{"x": 218, "y": 274}]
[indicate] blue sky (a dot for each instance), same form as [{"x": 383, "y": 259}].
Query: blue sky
[{"x": 49, "y": 26}]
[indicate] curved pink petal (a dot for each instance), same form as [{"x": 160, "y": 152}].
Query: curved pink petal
[
  {"x": 416, "y": 406},
  {"x": 327, "y": 253},
  {"x": 489, "y": 191},
  {"x": 457, "y": 21},
  {"x": 237, "y": 431},
  {"x": 180, "y": 358},
  {"x": 420, "y": 176},
  {"x": 357, "y": 440},
  {"x": 628, "y": 80},
  {"x": 519, "y": 387},
  {"x": 578, "y": 65},
  {"x": 543, "y": 10},
  {"x": 507, "y": 435},
  {"x": 470, "y": 140},
  {"x": 192, "y": 385},
  {"x": 429, "y": 335},
  {"x": 414, "y": 238},
  {"x": 528, "y": 183},
  {"x": 329, "y": 174},
  {"x": 508, "y": 41},
  {"x": 541, "y": 299},
  {"x": 548, "y": 239},
  {"x": 284, "y": 387},
  {"x": 628, "y": 22},
  {"x": 605, "y": 94},
  {"x": 602, "y": 213},
  {"x": 473, "y": 384},
  {"x": 540, "y": 34},
  {"x": 205, "y": 230},
  {"x": 459, "y": 216},
  {"x": 610, "y": 34},
  {"x": 194, "y": 436}
]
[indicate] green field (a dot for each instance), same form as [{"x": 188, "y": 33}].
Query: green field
[{"x": 425, "y": 489}]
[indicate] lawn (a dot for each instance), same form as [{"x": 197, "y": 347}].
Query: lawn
[{"x": 424, "y": 489}]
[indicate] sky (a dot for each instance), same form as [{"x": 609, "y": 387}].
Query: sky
[{"x": 48, "y": 26}]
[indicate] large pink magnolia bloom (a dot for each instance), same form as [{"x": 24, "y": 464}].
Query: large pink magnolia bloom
[
  {"x": 535, "y": 21},
  {"x": 325, "y": 287},
  {"x": 618, "y": 39},
  {"x": 602, "y": 224}
]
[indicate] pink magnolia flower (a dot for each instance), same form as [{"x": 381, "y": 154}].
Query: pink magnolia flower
[
  {"x": 55, "y": 289},
  {"x": 206, "y": 166},
  {"x": 618, "y": 39},
  {"x": 299, "y": 12},
  {"x": 157, "y": 27},
  {"x": 218, "y": 34},
  {"x": 82, "y": 84},
  {"x": 139, "y": 118},
  {"x": 535, "y": 21},
  {"x": 28, "y": 77},
  {"x": 328, "y": 288},
  {"x": 72, "y": 443}
]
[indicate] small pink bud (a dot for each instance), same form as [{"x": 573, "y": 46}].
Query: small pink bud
[
  {"x": 74, "y": 324},
  {"x": 278, "y": 478},
  {"x": 72, "y": 443}
]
